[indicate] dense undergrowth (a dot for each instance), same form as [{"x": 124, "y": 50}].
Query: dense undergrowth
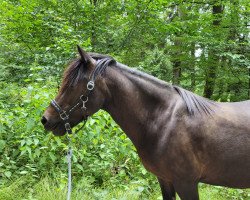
[{"x": 101, "y": 150}]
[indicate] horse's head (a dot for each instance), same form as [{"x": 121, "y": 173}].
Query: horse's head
[{"x": 82, "y": 93}]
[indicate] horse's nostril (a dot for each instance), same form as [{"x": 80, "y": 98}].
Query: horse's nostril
[{"x": 44, "y": 120}]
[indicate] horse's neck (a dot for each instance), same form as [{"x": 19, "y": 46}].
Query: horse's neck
[{"x": 136, "y": 103}]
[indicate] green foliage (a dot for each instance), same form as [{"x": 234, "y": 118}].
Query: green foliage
[
  {"x": 38, "y": 39},
  {"x": 157, "y": 63},
  {"x": 27, "y": 150},
  {"x": 44, "y": 34}
]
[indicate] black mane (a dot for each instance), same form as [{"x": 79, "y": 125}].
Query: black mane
[{"x": 196, "y": 104}]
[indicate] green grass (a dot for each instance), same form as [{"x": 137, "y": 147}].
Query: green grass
[{"x": 48, "y": 189}]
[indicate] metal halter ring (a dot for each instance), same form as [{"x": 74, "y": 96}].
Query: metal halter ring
[
  {"x": 67, "y": 127},
  {"x": 90, "y": 85},
  {"x": 84, "y": 101}
]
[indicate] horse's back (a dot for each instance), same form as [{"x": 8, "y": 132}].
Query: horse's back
[{"x": 227, "y": 140}]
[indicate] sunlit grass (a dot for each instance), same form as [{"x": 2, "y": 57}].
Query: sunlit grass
[{"x": 48, "y": 189}]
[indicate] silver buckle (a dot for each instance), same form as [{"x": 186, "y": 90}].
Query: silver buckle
[{"x": 64, "y": 115}]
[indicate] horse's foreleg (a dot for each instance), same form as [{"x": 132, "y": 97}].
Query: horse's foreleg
[
  {"x": 187, "y": 190},
  {"x": 167, "y": 190}
]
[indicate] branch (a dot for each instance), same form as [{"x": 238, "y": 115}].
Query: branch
[{"x": 138, "y": 20}]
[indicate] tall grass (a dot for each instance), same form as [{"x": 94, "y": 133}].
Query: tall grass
[{"x": 50, "y": 189}]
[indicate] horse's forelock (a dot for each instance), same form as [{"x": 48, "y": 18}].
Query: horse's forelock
[{"x": 73, "y": 74}]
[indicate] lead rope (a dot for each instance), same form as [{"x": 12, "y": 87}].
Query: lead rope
[
  {"x": 69, "y": 155},
  {"x": 100, "y": 68}
]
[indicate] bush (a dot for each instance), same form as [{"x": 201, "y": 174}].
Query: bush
[{"x": 101, "y": 152}]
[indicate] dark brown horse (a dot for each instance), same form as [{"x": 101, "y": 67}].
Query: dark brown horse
[{"x": 180, "y": 137}]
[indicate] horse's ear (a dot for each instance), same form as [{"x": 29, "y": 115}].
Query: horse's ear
[{"x": 85, "y": 57}]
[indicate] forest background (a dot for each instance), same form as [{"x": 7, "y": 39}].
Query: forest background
[{"x": 200, "y": 45}]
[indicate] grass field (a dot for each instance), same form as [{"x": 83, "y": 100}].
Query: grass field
[{"x": 48, "y": 189}]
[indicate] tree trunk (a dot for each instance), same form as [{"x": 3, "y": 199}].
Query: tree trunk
[
  {"x": 177, "y": 51},
  {"x": 213, "y": 59},
  {"x": 176, "y": 63},
  {"x": 192, "y": 66},
  {"x": 93, "y": 27},
  {"x": 249, "y": 84}
]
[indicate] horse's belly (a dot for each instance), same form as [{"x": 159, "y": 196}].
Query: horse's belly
[
  {"x": 231, "y": 174},
  {"x": 232, "y": 183}
]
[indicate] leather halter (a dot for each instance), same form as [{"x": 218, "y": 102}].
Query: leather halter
[{"x": 83, "y": 99}]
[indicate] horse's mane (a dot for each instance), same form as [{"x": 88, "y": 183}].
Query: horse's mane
[
  {"x": 195, "y": 104},
  {"x": 98, "y": 56}
]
